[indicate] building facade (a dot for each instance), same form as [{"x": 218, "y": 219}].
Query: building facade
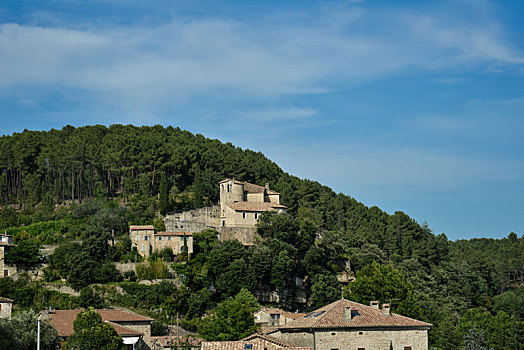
[
  {"x": 6, "y": 241},
  {"x": 147, "y": 240},
  {"x": 347, "y": 325},
  {"x": 6, "y": 306}
]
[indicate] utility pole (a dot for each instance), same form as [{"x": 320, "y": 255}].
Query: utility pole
[{"x": 38, "y": 334}]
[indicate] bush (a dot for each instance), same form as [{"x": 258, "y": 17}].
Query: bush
[{"x": 152, "y": 270}]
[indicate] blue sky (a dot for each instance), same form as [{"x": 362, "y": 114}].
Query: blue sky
[{"x": 407, "y": 105}]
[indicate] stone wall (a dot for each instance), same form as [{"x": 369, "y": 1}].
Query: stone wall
[
  {"x": 142, "y": 327},
  {"x": 195, "y": 220},
  {"x": 355, "y": 339},
  {"x": 5, "y": 310},
  {"x": 243, "y": 234}
]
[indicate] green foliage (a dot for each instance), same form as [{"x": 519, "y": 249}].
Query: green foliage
[
  {"x": 21, "y": 332},
  {"x": 26, "y": 253},
  {"x": 385, "y": 284},
  {"x": 474, "y": 340},
  {"x": 232, "y": 319},
  {"x": 92, "y": 333},
  {"x": 164, "y": 195},
  {"x": 152, "y": 270},
  {"x": 325, "y": 289},
  {"x": 89, "y": 298}
]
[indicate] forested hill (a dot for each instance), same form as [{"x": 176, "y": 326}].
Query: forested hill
[
  {"x": 72, "y": 164},
  {"x": 86, "y": 182}
]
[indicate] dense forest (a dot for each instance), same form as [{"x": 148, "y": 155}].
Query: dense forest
[{"x": 80, "y": 187}]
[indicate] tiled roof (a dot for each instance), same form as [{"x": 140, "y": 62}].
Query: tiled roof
[
  {"x": 256, "y": 206},
  {"x": 5, "y": 300},
  {"x": 252, "y": 188},
  {"x": 142, "y": 227},
  {"x": 272, "y": 192},
  {"x": 123, "y": 331},
  {"x": 62, "y": 320},
  {"x": 257, "y": 341},
  {"x": 233, "y": 180},
  {"x": 173, "y": 234},
  {"x": 167, "y": 340},
  {"x": 331, "y": 316},
  {"x": 292, "y": 315}
]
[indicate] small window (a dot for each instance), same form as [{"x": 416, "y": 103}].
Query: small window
[
  {"x": 181, "y": 238},
  {"x": 333, "y": 333},
  {"x": 360, "y": 333},
  {"x": 407, "y": 347},
  {"x": 137, "y": 237},
  {"x": 159, "y": 238},
  {"x": 256, "y": 215},
  {"x": 143, "y": 247},
  {"x": 0, "y": 307},
  {"x": 168, "y": 238},
  {"x": 145, "y": 238},
  {"x": 243, "y": 215},
  {"x": 361, "y": 348}
]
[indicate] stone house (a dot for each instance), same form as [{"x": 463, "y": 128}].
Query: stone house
[
  {"x": 187, "y": 342},
  {"x": 252, "y": 342},
  {"x": 6, "y": 241},
  {"x": 6, "y": 306},
  {"x": 134, "y": 329},
  {"x": 236, "y": 216},
  {"x": 349, "y": 325},
  {"x": 147, "y": 240},
  {"x": 270, "y": 317},
  {"x": 241, "y": 203}
]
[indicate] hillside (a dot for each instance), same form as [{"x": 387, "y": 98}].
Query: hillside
[{"x": 84, "y": 183}]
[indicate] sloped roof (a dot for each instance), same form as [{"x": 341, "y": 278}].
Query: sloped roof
[
  {"x": 292, "y": 315},
  {"x": 173, "y": 234},
  {"x": 233, "y": 180},
  {"x": 123, "y": 331},
  {"x": 256, "y": 206},
  {"x": 62, "y": 320},
  {"x": 331, "y": 316},
  {"x": 141, "y": 227},
  {"x": 166, "y": 340},
  {"x": 252, "y": 188},
  {"x": 257, "y": 341},
  {"x": 5, "y": 300}
]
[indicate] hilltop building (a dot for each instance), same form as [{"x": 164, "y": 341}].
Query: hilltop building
[
  {"x": 6, "y": 241},
  {"x": 271, "y": 317},
  {"x": 236, "y": 215},
  {"x": 147, "y": 240},
  {"x": 346, "y": 324}
]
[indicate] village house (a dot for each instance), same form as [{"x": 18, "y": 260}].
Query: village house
[
  {"x": 147, "y": 240},
  {"x": 6, "y": 241},
  {"x": 6, "y": 306},
  {"x": 252, "y": 342},
  {"x": 349, "y": 325},
  {"x": 236, "y": 215},
  {"x": 271, "y": 317},
  {"x": 134, "y": 329}
]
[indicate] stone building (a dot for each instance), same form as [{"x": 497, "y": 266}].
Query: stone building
[
  {"x": 6, "y": 306},
  {"x": 252, "y": 342},
  {"x": 270, "y": 317},
  {"x": 236, "y": 215},
  {"x": 6, "y": 241},
  {"x": 349, "y": 325},
  {"x": 134, "y": 329},
  {"x": 147, "y": 240}
]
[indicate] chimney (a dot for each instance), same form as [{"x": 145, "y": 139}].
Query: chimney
[
  {"x": 267, "y": 186},
  {"x": 347, "y": 313},
  {"x": 374, "y": 304},
  {"x": 386, "y": 310}
]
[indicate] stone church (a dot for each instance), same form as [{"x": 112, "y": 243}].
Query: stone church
[{"x": 236, "y": 215}]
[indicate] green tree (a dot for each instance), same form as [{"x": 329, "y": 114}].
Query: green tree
[
  {"x": 92, "y": 333},
  {"x": 164, "y": 195},
  {"x": 232, "y": 319},
  {"x": 325, "y": 289},
  {"x": 387, "y": 285},
  {"x": 21, "y": 332},
  {"x": 474, "y": 340},
  {"x": 26, "y": 252}
]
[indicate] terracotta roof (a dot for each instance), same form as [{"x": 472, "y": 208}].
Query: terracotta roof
[
  {"x": 173, "y": 234},
  {"x": 252, "y": 188},
  {"x": 258, "y": 342},
  {"x": 268, "y": 338},
  {"x": 331, "y": 316},
  {"x": 5, "y": 300},
  {"x": 292, "y": 315},
  {"x": 256, "y": 206},
  {"x": 124, "y": 331},
  {"x": 167, "y": 340},
  {"x": 142, "y": 227},
  {"x": 62, "y": 320}
]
